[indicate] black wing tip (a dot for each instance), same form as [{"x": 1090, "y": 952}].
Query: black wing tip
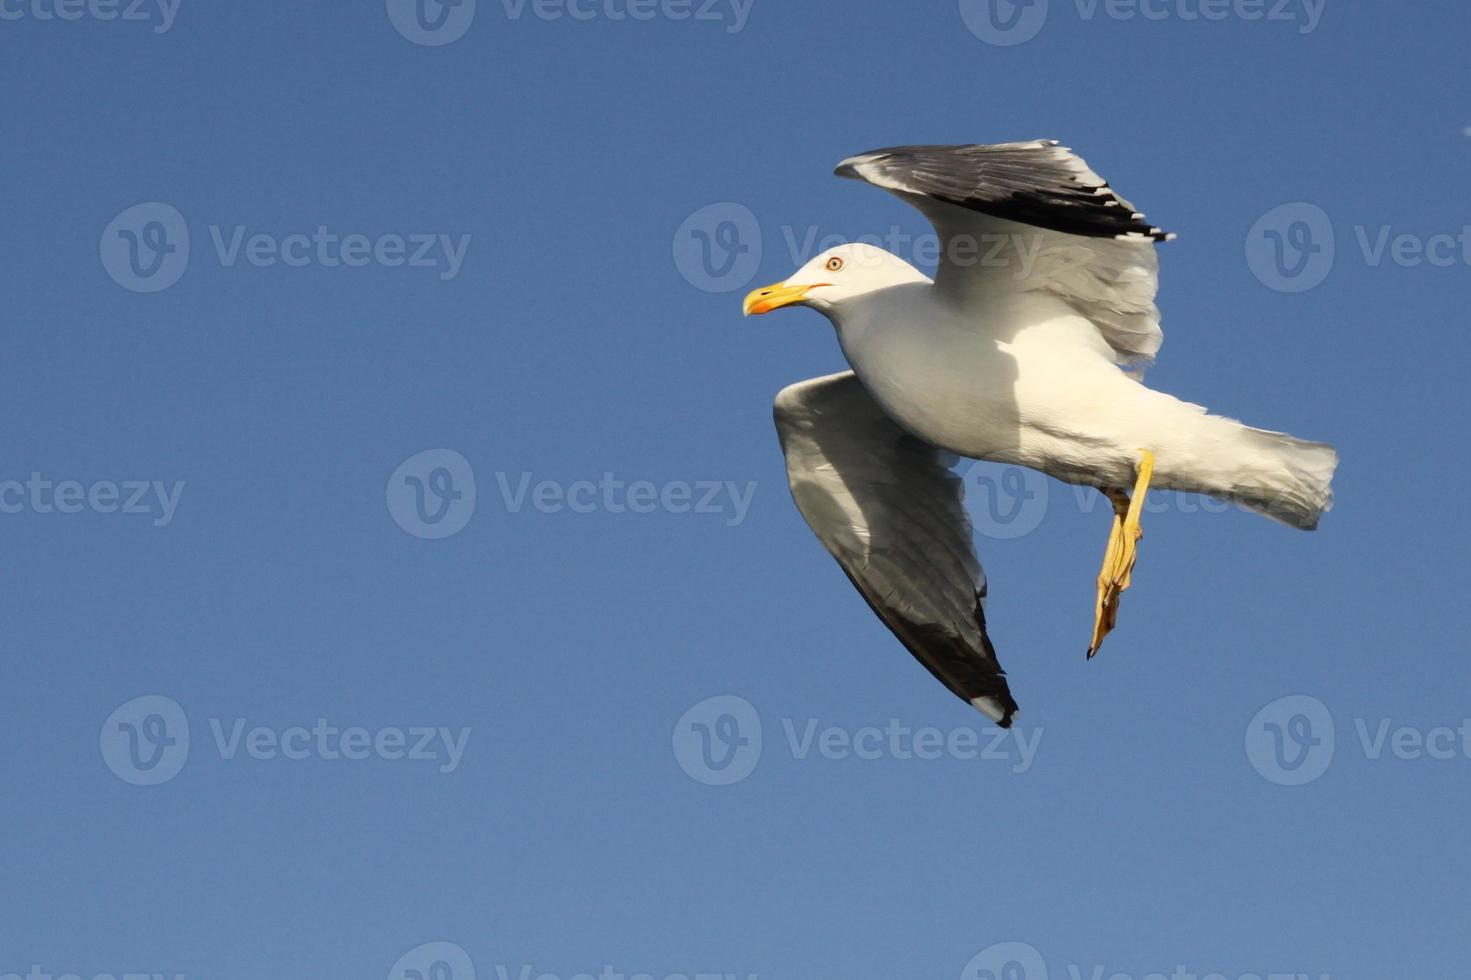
[
  {"x": 995, "y": 702},
  {"x": 999, "y": 707},
  {"x": 1150, "y": 234},
  {"x": 1090, "y": 210}
]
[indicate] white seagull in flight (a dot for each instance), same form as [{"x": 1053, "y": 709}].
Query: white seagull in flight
[{"x": 1028, "y": 347}]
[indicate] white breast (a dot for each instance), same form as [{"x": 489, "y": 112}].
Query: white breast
[
  {"x": 1003, "y": 384},
  {"x": 946, "y": 378}
]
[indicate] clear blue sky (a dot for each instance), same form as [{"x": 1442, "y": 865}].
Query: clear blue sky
[{"x": 571, "y": 636}]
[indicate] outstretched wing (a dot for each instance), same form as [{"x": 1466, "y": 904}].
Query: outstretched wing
[
  {"x": 888, "y": 508},
  {"x": 1031, "y": 217}
]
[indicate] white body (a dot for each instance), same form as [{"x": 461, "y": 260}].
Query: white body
[
  {"x": 1037, "y": 388},
  {"x": 1021, "y": 377}
]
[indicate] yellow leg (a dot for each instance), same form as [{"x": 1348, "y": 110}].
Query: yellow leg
[
  {"x": 1105, "y": 610},
  {"x": 1117, "y": 572}
]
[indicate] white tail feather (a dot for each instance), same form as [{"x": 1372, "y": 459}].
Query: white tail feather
[{"x": 1290, "y": 479}]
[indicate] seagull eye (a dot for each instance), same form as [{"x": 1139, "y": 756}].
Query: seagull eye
[{"x": 834, "y": 264}]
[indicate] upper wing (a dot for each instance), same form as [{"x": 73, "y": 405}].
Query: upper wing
[
  {"x": 889, "y": 509},
  {"x": 1032, "y": 217}
]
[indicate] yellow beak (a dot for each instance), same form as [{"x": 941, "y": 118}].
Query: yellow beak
[{"x": 775, "y": 296}]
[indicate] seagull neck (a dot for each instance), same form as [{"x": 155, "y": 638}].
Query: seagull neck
[{"x": 895, "y": 307}]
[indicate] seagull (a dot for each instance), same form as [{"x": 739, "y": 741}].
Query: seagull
[{"x": 1028, "y": 348}]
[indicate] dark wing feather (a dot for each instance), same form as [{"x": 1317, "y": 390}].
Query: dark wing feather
[
  {"x": 1039, "y": 183},
  {"x": 888, "y": 508},
  {"x": 1062, "y": 232}
]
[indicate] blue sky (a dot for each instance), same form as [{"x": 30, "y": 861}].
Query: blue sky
[{"x": 443, "y": 421}]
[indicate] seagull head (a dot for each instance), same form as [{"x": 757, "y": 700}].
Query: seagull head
[{"x": 838, "y": 276}]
